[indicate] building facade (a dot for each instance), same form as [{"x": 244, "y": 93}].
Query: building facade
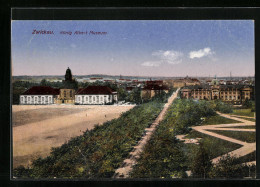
[
  {"x": 66, "y": 96},
  {"x": 235, "y": 94},
  {"x": 96, "y": 95},
  {"x": 39, "y": 95},
  {"x": 150, "y": 90}
]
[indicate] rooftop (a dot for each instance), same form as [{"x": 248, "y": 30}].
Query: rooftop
[
  {"x": 95, "y": 90},
  {"x": 42, "y": 90}
]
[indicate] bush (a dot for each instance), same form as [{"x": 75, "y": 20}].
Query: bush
[
  {"x": 222, "y": 107},
  {"x": 201, "y": 163},
  {"x": 230, "y": 167}
]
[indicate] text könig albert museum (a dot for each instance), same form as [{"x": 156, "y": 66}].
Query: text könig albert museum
[{"x": 51, "y": 32}]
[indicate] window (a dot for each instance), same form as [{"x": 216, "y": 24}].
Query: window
[
  {"x": 90, "y": 99},
  {"x": 29, "y": 99},
  {"x": 50, "y": 100},
  {"x": 82, "y": 99},
  {"x": 238, "y": 97},
  {"x": 35, "y": 99},
  {"x": 97, "y": 99},
  {"x": 70, "y": 93},
  {"x": 86, "y": 98},
  {"x": 101, "y": 99},
  {"x": 64, "y": 93},
  {"x": 230, "y": 97},
  {"x": 225, "y": 92}
]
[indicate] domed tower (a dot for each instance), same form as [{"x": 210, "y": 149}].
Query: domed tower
[{"x": 68, "y": 75}]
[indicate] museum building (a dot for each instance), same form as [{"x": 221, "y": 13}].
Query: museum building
[{"x": 235, "y": 94}]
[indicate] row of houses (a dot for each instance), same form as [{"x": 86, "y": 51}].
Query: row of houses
[{"x": 43, "y": 95}]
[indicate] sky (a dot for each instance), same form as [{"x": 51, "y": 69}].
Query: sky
[{"x": 134, "y": 48}]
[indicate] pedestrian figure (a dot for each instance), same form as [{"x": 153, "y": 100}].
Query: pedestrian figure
[{"x": 105, "y": 116}]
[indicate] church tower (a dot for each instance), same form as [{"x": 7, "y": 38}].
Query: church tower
[{"x": 68, "y": 75}]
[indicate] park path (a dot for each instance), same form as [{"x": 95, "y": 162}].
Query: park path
[
  {"x": 127, "y": 166},
  {"x": 246, "y": 147}
]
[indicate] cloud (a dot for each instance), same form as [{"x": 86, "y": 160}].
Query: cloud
[
  {"x": 152, "y": 63},
  {"x": 169, "y": 56},
  {"x": 201, "y": 53}
]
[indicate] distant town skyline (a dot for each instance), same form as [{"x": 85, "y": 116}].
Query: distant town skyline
[{"x": 134, "y": 48}]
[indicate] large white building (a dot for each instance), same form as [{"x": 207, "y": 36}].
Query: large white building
[
  {"x": 96, "y": 95},
  {"x": 39, "y": 95}
]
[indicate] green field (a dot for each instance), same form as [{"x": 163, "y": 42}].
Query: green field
[
  {"x": 248, "y": 137},
  {"x": 249, "y": 119},
  {"x": 242, "y": 127},
  {"x": 248, "y": 158},
  {"x": 243, "y": 112},
  {"x": 217, "y": 119},
  {"x": 214, "y": 146}
]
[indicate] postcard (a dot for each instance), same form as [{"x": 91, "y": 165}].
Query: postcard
[{"x": 133, "y": 99}]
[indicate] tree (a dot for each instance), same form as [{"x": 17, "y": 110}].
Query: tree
[
  {"x": 122, "y": 94},
  {"x": 201, "y": 164},
  {"x": 247, "y": 104},
  {"x": 230, "y": 167},
  {"x": 44, "y": 82}
]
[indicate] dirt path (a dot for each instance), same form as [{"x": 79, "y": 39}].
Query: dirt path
[
  {"x": 35, "y": 139},
  {"x": 126, "y": 167},
  {"x": 246, "y": 147}
]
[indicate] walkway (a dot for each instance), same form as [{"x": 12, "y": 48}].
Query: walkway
[
  {"x": 246, "y": 147},
  {"x": 126, "y": 167}
]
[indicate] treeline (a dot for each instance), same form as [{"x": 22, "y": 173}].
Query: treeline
[{"x": 98, "y": 152}]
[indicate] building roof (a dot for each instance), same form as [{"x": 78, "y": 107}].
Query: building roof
[
  {"x": 41, "y": 90},
  {"x": 95, "y": 90},
  {"x": 156, "y": 87},
  {"x": 154, "y": 82},
  {"x": 206, "y": 86}
]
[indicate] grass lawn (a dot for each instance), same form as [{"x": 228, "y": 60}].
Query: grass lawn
[
  {"x": 248, "y": 158},
  {"x": 243, "y": 112},
  {"x": 217, "y": 119},
  {"x": 242, "y": 127},
  {"x": 248, "y": 137},
  {"x": 249, "y": 119},
  {"x": 214, "y": 146}
]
